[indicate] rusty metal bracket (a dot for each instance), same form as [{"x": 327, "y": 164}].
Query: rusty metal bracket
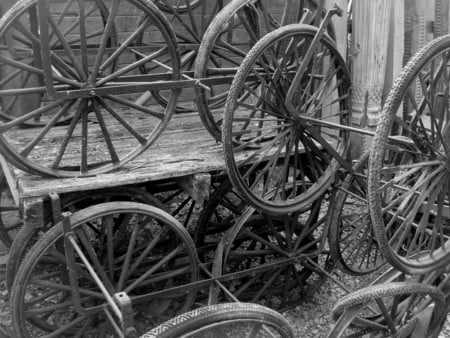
[
  {"x": 126, "y": 307},
  {"x": 56, "y": 207}
]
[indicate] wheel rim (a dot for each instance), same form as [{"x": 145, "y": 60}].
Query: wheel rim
[
  {"x": 261, "y": 256},
  {"x": 417, "y": 190},
  {"x": 399, "y": 305},
  {"x": 228, "y": 39},
  {"x": 102, "y": 132},
  {"x": 352, "y": 240},
  {"x": 150, "y": 252},
  {"x": 282, "y": 155},
  {"x": 72, "y": 202}
]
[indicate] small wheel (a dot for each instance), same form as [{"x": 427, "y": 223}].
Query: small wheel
[
  {"x": 417, "y": 188},
  {"x": 351, "y": 238},
  {"x": 83, "y": 78},
  {"x": 282, "y": 155},
  {"x": 229, "y": 38},
  {"x": 218, "y": 215},
  {"x": 225, "y": 320},
  {"x": 260, "y": 259},
  {"x": 28, "y": 236},
  {"x": 131, "y": 247},
  {"x": 189, "y": 20},
  {"x": 393, "y": 309}
]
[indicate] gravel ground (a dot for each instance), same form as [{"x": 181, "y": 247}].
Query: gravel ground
[{"x": 311, "y": 319}]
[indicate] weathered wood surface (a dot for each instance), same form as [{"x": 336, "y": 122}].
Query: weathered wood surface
[{"x": 185, "y": 148}]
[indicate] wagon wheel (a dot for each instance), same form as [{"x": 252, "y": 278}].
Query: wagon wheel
[
  {"x": 217, "y": 216},
  {"x": 131, "y": 247},
  {"x": 351, "y": 238},
  {"x": 418, "y": 189},
  {"x": 189, "y": 20},
  {"x": 295, "y": 145},
  {"x": 260, "y": 259},
  {"x": 396, "y": 310},
  {"x": 109, "y": 125},
  {"x": 19, "y": 76},
  {"x": 225, "y": 320},
  {"x": 28, "y": 236},
  {"x": 229, "y": 38}
]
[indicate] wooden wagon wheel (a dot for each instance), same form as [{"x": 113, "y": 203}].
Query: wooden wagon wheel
[
  {"x": 229, "y": 38},
  {"x": 130, "y": 247},
  {"x": 83, "y": 77},
  {"x": 294, "y": 145},
  {"x": 418, "y": 189},
  {"x": 225, "y": 320},
  {"x": 218, "y": 215},
  {"x": 28, "y": 236},
  {"x": 189, "y": 20},
  {"x": 260, "y": 258},
  {"x": 351, "y": 238},
  {"x": 19, "y": 76},
  {"x": 399, "y": 306}
]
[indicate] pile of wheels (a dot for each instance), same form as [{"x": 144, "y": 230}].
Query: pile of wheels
[{"x": 271, "y": 85}]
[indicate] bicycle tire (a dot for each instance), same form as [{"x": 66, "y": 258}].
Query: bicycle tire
[
  {"x": 419, "y": 197},
  {"x": 190, "y": 323},
  {"x": 277, "y": 146}
]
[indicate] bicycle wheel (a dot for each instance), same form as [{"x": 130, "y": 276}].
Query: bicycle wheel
[
  {"x": 189, "y": 19},
  {"x": 393, "y": 309},
  {"x": 261, "y": 258},
  {"x": 282, "y": 155},
  {"x": 131, "y": 247},
  {"x": 417, "y": 188},
  {"x": 76, "y": 74},
  {"x": 28, "y": 236},
  {"x": 229, "y": 38},
  {"x": 225, "y": 320},
  {"x": 351, "y": 238}
]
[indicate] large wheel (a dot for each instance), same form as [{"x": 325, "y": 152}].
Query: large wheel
[
  {"x": 84, "y": 79},
  {"x": 392, "y": 309},
  {"x": 417, "y": 189},
  {"x": 28, "y": 236},
  {"x": 15, "y": 76},
  {"x": 225, "y": 320},
  {"x": 190, "y": 20},
  {"x": 229, "y": 38},
  {"x": 351, "y": 238},
  {"x": 131, "y": 247},
  {"x": 261, "y": 258},
  {"x": 282, "y": 155}
]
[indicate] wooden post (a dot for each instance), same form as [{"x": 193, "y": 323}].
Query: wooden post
[{"x": 369, "y": 57}]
